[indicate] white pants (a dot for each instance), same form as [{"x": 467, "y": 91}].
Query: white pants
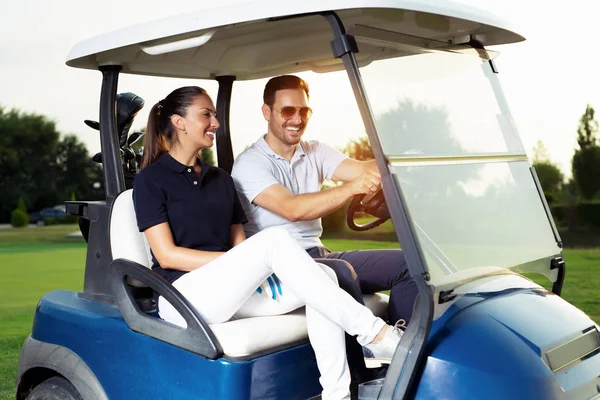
[{"x": 227, "y": 286}]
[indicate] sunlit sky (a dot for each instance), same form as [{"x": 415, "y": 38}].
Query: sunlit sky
[{"x": 548, "y": 79}]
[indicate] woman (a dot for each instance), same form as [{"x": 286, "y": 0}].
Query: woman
[{"x": 193, "y": 220}]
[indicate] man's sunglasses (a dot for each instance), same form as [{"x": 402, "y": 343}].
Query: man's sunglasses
[{"x": 289, "y": 112}]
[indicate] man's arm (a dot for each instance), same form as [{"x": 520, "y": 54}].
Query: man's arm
[
  {"x": 350, "y": 169},
  {"x": 305, "y": 207},
  {"x": 256, "y": 182}
]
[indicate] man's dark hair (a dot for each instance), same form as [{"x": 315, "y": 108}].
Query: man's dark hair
[{"x": 283, "y": 82}]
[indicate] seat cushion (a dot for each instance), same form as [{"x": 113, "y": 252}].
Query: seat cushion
[{"x": 244, "y": 337}]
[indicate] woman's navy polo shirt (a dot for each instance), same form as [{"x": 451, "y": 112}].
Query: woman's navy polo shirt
[{"x": 200, "y": 212}]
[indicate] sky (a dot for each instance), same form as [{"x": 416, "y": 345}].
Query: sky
[{"x": 548, "y": 79}]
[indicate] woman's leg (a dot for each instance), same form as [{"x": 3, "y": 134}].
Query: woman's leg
[
  {"x": 326, "y": 337},
  {"x": 221, "y": 287}
]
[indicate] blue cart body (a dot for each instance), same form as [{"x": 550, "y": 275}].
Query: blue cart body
[{"x": 485, "y": 346}]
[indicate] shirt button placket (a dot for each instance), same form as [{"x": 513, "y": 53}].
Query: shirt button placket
[{"x": 195, "y": 182}]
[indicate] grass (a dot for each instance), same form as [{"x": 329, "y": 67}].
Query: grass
[
  {"x": 35, "y": 235},
  {"x": 35, "y": 261},
  {"x": 582, "y": 282}
]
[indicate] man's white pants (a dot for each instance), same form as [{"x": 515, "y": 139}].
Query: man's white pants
[{"x": 226, "y": 287}]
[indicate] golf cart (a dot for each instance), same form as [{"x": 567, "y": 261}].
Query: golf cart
[{"x": 466, "y": 205}]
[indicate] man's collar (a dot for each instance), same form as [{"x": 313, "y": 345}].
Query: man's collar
[{"x": 262, "y": 144}]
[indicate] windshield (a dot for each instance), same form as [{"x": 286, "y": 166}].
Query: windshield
[{"x": 453, "y": 148}]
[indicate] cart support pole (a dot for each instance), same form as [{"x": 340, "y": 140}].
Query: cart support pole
[
  {"x": 111, "y": 161},
  {"x": 224, "y": 147},
  {"x": 404, "y": 372}
]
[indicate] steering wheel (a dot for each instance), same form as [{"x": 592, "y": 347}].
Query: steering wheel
[{"x": 373, "y": 205}]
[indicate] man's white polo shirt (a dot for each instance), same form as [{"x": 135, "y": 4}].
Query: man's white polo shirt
[{"x": 259, "y": 167}]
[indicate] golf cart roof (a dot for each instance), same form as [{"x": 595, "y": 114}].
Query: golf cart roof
[{"x": 255, "y": 39}]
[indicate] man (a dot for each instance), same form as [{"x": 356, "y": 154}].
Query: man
[{"x": 279, "y": 179}]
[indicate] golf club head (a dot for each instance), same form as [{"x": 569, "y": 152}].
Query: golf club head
[
  {"x": 128, "y": 154},
  {"x": 128, "y": 105},
  {"x": 92, "y": 124},
  {"x": 133, "y": 137},
  {"x": 138, "y": 142}
]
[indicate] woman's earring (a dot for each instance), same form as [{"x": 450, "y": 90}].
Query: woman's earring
[{"x": 184, "y": 131}]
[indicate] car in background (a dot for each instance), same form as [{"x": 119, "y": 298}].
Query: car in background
[{"x": 40, "y": 217}]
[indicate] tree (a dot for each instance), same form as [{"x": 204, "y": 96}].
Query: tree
[
  {"x": 409, "y": 128},
  {"x": 40, "y": 169},
  {"x": 550, "y": 176},
  {"x": 21, "y": 205},
  {"x": 359, "y": 149},
  {"x": 586, "y": 161},
  {"x": 76, "y": 172},
  {"x": 207, "y": 156},
  {"x": 586, "y": 171},
  {"x": 540, "y": 153},
  {"x": 412, "y": 127},
  {"x": 18, "y": 218},
  {"x": 28, "y": 145},
  {"x": 588, "y": 127}
]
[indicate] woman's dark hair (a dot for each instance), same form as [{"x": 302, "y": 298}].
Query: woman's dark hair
[
  {"x": 283, "y": 82},
  {"x": 160, "y": 132}
]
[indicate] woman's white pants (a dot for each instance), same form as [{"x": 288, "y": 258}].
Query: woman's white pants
[{"x": 226, "y": 287}]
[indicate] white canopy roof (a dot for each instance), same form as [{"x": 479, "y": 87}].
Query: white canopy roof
[{"x": 255, "y": 40}]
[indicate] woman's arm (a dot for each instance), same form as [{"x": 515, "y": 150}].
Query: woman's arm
[
  {"x": 170, "y": 256},
  {"x": 237, "y": 234}
]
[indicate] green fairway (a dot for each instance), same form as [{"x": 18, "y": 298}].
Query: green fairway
[
  {"x": 582, "y": 282},
  {"x": 35, "y": 261},
  {"x": 38, "y": 235}
]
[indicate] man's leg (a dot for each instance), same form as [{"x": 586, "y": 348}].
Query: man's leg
[
  {"x": 347, "y": 280},
  {"x": 379, "y": 270}
]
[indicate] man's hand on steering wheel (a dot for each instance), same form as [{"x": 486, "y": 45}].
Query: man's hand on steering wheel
[
  {"x": 368, "y": 198},
  {"x": 367, "y": 183}
]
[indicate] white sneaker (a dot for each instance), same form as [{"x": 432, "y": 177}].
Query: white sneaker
[{"x": 377, "y": 354}]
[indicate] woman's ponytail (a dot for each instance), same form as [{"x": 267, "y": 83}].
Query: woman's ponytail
[{"x": 154, "y": 143}]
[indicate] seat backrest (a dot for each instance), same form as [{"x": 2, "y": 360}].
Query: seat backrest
[{"x": 126, "y": 241}]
